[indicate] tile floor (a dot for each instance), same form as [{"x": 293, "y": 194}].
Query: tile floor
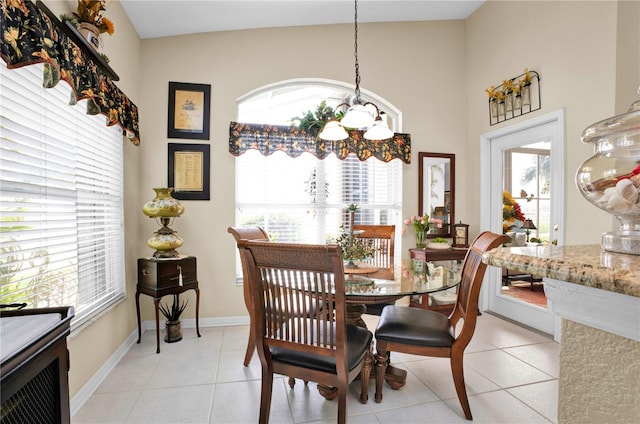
[{"x": 511, "y": 374}]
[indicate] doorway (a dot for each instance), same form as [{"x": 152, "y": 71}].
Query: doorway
[{"x": 522, "y": 192}]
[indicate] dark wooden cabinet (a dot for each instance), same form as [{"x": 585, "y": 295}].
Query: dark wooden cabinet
[
  {"x": 161, "y": 277},
  {"x": 435, "y": 255},
  {"x": 35, "y": 365}
]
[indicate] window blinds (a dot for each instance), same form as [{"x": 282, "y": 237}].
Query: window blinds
[
  {"x": 303, "y": 199},
  {"x": 61, "y": 185}
]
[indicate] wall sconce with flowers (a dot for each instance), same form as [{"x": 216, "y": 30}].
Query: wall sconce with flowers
[{"x": 514, "y": 97}]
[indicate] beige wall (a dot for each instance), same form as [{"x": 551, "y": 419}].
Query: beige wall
[
  {"x": 572, "y": 45},
  {"x": 594, "y": 366},
  {"x": 434, "y": 72}
]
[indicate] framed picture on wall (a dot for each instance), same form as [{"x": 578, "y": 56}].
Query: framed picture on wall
[
  {"x": 189, "y": 169},
  {"x": 189, "y": 110}
]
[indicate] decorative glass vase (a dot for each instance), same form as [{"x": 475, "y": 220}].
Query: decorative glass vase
[
  {"x": 517, "y": 102},
  {"x": 420, "y": 239},
  {"x": 493, "y": 105},
  {"x": 501, "y": 110},
  {"x": 610, "y": 179},
  {"x": 526, "y": 95},
  {"x": 508, "y": 98}
]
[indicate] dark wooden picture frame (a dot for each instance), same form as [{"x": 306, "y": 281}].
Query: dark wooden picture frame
[
  {"x": 188, "y": 171},
  {"x": 189, "y": 110}
]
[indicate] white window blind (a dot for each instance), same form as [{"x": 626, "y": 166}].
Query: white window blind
[
  {"x": 61, "y": 205},
  {"x": 304, "y": 199}
]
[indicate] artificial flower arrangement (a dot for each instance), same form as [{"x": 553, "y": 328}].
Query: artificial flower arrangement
[
  {"x": 421, "y": 226},
  {"x": 509, "y": 87},
  {"x": 512, "y": 215},
  {"x": 91, "y": 12}
]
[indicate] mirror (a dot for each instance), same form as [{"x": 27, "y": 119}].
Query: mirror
[{"x": 436, "y": 190}]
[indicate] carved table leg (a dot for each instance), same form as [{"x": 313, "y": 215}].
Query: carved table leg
[{"x": 395, "y": 377}]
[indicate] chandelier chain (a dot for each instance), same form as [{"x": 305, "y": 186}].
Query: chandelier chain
[{"x": 355, "y": 45}]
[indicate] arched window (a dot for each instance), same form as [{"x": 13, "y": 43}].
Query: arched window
[{"x": 304, "y": 199}]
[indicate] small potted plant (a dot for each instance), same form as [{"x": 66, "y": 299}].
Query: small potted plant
[
  {"x": 438, "y": 243},
  {"x": 353, "y": 248},
  {"x": 172, "y": 314}
]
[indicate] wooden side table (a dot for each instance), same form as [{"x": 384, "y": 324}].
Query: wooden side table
[
  {"x": 161, "y": 277},
  {"x": 434, "y": 255}
]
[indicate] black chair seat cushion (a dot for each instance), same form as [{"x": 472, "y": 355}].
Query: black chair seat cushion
[
  {"x": 358, "y": 342},
  {"x": 414, "y": 326}
]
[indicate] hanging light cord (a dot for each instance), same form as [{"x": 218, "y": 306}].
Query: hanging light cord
[{"x": 355, "y": 45}]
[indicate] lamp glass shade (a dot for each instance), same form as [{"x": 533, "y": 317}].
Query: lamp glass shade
[
  {"x": 165, "y": 241},
  {"x": 379, "y": 131},
  {"x": 333, "y": 131},
  {"x": 358, "y": 116},
  {"x": 163, "y": 205},
  {"x": 529, "y": 225}
]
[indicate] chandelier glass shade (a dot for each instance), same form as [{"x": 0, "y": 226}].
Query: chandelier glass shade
[
  {"x": 333, "y": 131},
  {"x": 359, "y": 115}
]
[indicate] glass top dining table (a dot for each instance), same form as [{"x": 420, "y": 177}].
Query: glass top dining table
[{"x": 411, "y": 278}]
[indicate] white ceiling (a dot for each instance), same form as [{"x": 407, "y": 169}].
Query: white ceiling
[{"x": 161, "y": 18}]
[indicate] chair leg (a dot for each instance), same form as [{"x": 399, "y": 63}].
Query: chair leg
[
  {"x": 365, "y": 376},
  {"x": 342, "y": 404},
  {"x": 265, "y": 396},
  {"x": 457, "y": 369},
  {"x": 251, "y": 345},
  {"x": 381, "y": 368}
]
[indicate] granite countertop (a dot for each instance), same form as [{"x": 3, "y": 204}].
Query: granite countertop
[{"x": 587, "y": 265}]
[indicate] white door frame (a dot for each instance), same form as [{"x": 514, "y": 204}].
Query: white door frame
[{"x": 491, "y": 197}]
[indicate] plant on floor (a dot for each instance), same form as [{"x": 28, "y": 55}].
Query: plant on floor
[{"x": 172, "y": 313}]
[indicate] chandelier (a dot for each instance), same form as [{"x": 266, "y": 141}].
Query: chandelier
[{"x": 359, "y": 115}]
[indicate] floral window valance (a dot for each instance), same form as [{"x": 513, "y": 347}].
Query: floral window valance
[
  {"x": 29, "y": 36},
  {"x": 268, "y": 139}
]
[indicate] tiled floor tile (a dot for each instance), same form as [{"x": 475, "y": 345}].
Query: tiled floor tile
[
  {"x": 499, "y": 407},
  {"x": 231, "y": 367},
  {"x": 543, "y": 356},
  {"x": 185, "y": 369},
  {"x": 543, "y": 397},
  {"x": 239, "y": 402},
  {"x": 436, "y": 374},
  {"x": 173, "y": 405},
  {"x": 106, "y": 408},
  {"x": 131, "y": 374},
  {"x": 433, "y": 412},
  {"x": 503, "y": 369}
]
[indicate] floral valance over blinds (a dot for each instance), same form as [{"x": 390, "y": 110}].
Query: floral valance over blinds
[
  {"x": 29, "y": 36},
  {"x": 268, "y": 139}
]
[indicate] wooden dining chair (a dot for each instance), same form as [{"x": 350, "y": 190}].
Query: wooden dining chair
[
  {"x": 429, "y": 333},
  {"x": 316, "y": 345},
  {"x": 382, "y": 239},
  {"x": 248, "y": 233}
]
